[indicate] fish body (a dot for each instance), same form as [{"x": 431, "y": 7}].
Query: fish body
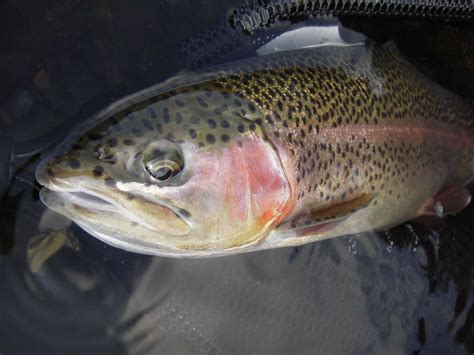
[{"x": 273, "y": 151}]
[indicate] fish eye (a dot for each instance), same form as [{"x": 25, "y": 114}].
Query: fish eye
[
  {"x": 162, "y": 170},
  {"x": 162, "y": 161}
]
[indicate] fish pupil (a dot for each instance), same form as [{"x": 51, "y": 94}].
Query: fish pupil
[{"x": 163, "y": 174}]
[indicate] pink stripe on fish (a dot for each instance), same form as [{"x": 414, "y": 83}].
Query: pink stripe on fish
[{"x": 415, "y": 133}]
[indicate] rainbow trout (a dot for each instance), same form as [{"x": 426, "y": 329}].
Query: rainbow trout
[{"x": 274, "y": 151}]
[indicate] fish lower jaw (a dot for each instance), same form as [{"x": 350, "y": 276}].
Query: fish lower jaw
[
  {"x": 93, "y": 212},
  {"x": 81, "y": 206},
  {"x": 146, "y": 248}
]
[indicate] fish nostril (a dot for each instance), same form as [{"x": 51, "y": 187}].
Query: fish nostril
[{"x": 102, "y": 151}]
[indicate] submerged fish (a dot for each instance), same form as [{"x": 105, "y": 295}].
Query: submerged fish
[{"x": 273, "y": 151}]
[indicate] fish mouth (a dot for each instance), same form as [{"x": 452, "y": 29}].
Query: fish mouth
[
  {"x": 97, "y": 216},
  {"x": 109, "y": 214},
  {"x": 85, "y": 202},
  {"x": 87, "y": 199},
  {"x": 92, "y": 202}
]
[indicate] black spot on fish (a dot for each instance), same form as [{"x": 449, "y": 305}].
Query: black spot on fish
[
  {"x": 130, "y": 197},
  {"x": 237, "y": 103},
  {"x": 50, "y": 172},
  {"x": 202, "y": 103},
  {"x": 192, "y": 133},
  {"x": 220, "y": 110},
  {"x": 151, "y": 112},
  {"x": 240, "y": 128},
  {"x": 225, "y": 138},
  {"x": 147, "y": 125},
  {"x": 159, "y": 127},
  {"x": 225, "y": 124},
  {"x": 251, "y": 107},
  {"x": 210, "y": 139},
  {"x": 269, "y": 119},
  {"x": 98, "y": 171},
  {"x": 128, "y": 142},
  {"x": 74, "y": 163},
  {"x": 179, "y": 103},
  {"x": 211, "y": 123},
  {"x": 252, "y": 127}
]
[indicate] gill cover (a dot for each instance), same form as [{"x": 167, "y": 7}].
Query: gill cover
[{"x": 233, "y": 197}]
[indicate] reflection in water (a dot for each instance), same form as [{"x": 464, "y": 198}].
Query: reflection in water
[{"x": 449, "y": 248}]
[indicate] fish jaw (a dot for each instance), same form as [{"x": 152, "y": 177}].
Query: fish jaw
[{"x": 109, "y": 224}]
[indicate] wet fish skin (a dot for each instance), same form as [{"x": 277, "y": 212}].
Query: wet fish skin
[{"x": 352, "y": 131}]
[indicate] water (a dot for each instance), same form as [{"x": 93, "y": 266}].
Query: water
[{"x": 408, "y": 290}]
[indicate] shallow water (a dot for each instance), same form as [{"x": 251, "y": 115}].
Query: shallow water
[{"x": 405, "y": 291}]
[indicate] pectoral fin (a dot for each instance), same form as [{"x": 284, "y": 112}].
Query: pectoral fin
[{"x": 317, "y": 221}]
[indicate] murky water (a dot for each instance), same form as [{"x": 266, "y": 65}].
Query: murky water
[{"x": 408, "y": 290}]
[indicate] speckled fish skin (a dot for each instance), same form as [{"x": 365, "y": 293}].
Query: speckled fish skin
[{"x": 266, "y": 144}]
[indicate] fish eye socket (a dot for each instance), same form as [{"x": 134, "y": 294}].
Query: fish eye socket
[
  {"x": 162, "y": 161},
  {"x": 162, "y": 170}
]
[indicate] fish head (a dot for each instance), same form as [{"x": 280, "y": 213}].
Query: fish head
[{"x": 186, "y": 176}]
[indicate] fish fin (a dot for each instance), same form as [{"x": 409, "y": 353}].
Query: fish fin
[
  {"x": 448, "y": 201},
  {"x": 317, "y": 228},
  {"x": 316, "y": 221},
  {"x": 343, "y": 208}
]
